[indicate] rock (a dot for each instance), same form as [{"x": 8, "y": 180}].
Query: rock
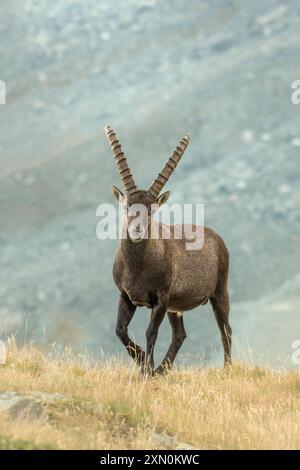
[
  {"x": 284, "y": 189},
  {"x": 247, "y": 136},
  {"x": 21, "y": 407},
  {"x": 41, "y": 296},
  {"x": 165, "y": 440},
  {"x": 272, "y": 16},
  {"x": 267, "y": 31},
  {"x": 30, "y": 180},
  {"x": 265, "y": 137},
  {"x": 105, "y": 36},
  {"x": 29, "y": 407},
  {"x": 65, "y": 246},
  {"x": 42, "y": 77},
  {"x": 296, "y": 142},
  {"x": 183, "y": 446},
  {"x": 38, "y": 105},
  {"x": 241, "y": 184}
]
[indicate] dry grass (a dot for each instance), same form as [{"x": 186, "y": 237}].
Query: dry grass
[{"x": 110, "y": 407}]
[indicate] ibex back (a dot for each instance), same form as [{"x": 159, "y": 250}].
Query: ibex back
[{"x": 160, "y": 273}]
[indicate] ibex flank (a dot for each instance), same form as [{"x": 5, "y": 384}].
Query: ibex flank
[{"x": 160, "y": 273}]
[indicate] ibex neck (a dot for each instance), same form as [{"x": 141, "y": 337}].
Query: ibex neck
[
  {"x": 150, "y": 248},
  {"x": 142, "y": 249}
]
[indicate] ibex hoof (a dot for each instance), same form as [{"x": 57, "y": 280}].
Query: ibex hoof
[
  {"x": 146, "y": 372},
  {"x": 161, "y": 370}
]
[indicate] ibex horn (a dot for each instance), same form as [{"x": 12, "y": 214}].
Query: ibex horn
[
  {"x": 124, "y": 170},
  {"x": 170, "y": 166}
]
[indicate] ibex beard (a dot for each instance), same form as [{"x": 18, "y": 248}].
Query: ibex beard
[{"x": 160, "y": 273}]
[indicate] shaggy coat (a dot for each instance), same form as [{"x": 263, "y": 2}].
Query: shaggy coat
[{"x": 161, "y": 274}]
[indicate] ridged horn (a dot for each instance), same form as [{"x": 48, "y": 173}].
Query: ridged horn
[
  {"x": 170, "y": 166},
  {"x": 124, "y": 170}
]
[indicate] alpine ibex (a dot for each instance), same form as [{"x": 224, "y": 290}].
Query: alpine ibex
[{"x": 160, "y": 273}]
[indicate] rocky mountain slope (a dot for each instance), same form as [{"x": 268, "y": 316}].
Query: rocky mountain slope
[{"x": 220, "y": 70}]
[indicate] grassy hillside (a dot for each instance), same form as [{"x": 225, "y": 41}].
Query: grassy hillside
[{"x": 110, "y": 407}]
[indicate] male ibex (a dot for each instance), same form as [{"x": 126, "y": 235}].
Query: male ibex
[{"x": 160, "y": 273}]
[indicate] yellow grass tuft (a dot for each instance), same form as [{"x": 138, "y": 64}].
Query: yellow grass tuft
[{"x": 109, "y": 407}]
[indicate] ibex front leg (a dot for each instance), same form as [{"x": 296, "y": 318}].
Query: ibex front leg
[
  {"x": 178, "y": 336},
  {"x": 126, "y": 311},
  {"x": 157, "y": 316}
]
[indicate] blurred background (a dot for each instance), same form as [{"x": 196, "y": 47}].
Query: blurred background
[{"x": 220, "y": 70}]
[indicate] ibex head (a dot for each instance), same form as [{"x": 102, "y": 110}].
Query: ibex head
[{"x": 133, "y": 196}]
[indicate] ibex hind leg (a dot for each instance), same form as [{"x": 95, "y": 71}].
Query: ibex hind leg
[
  {"x": 221, "y": 306},
  {"x": 178, "y": 336}
]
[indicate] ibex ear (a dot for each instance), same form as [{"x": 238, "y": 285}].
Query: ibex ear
[
  {"x": 117, "y": 193},
  {"x": 163, "y": 198}
]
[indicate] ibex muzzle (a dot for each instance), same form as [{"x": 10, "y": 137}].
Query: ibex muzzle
[{"x": 160, "y": 273}]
